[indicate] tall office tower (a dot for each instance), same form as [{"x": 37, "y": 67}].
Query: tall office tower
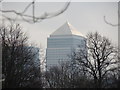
[{"x": 61, "y": 43}]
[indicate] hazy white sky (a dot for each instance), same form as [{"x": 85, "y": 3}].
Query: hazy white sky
[{"x": 84, "y": 16}]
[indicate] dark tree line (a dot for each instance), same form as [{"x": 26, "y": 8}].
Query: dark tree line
[
  {"x": 18, "y": 57},
  {"x": 66, "y": 76}
]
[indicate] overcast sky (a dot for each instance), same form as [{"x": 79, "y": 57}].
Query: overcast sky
[{"x": 84, "y": 16}]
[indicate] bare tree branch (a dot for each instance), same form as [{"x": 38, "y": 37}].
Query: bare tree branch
[
  {"x": 1, "y": 1},
  {"x": 32, "y": 18},
  {"x": 109, "y": 23}
]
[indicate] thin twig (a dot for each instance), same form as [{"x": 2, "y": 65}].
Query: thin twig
[
  {"x": 109, "y": 23},
  {"x": 33, "y": 18}
]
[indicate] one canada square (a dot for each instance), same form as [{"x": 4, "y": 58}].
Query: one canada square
[{"x": 61, "y": 43}]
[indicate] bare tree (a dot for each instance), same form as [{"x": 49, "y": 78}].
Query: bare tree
[
  {"x": 18, "y": 57},
  {"x": 100, "y": 59}
]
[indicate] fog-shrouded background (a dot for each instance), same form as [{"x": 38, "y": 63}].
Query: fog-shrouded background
[{"x": 84, "y": 16}]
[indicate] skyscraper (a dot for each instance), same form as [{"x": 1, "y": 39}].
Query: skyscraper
[{"x": 61, "y": 43}]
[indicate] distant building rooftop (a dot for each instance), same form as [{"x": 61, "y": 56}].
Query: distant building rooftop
[{"x": 66, "y": 29}]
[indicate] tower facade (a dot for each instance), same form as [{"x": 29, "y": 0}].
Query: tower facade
[{"x": 61, "y": 43}]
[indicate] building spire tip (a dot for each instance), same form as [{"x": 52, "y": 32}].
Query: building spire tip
[{"x": 67, "y": 22}]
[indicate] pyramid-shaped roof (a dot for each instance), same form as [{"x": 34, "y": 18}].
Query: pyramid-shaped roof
[{"x": 66, "y": 29}]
